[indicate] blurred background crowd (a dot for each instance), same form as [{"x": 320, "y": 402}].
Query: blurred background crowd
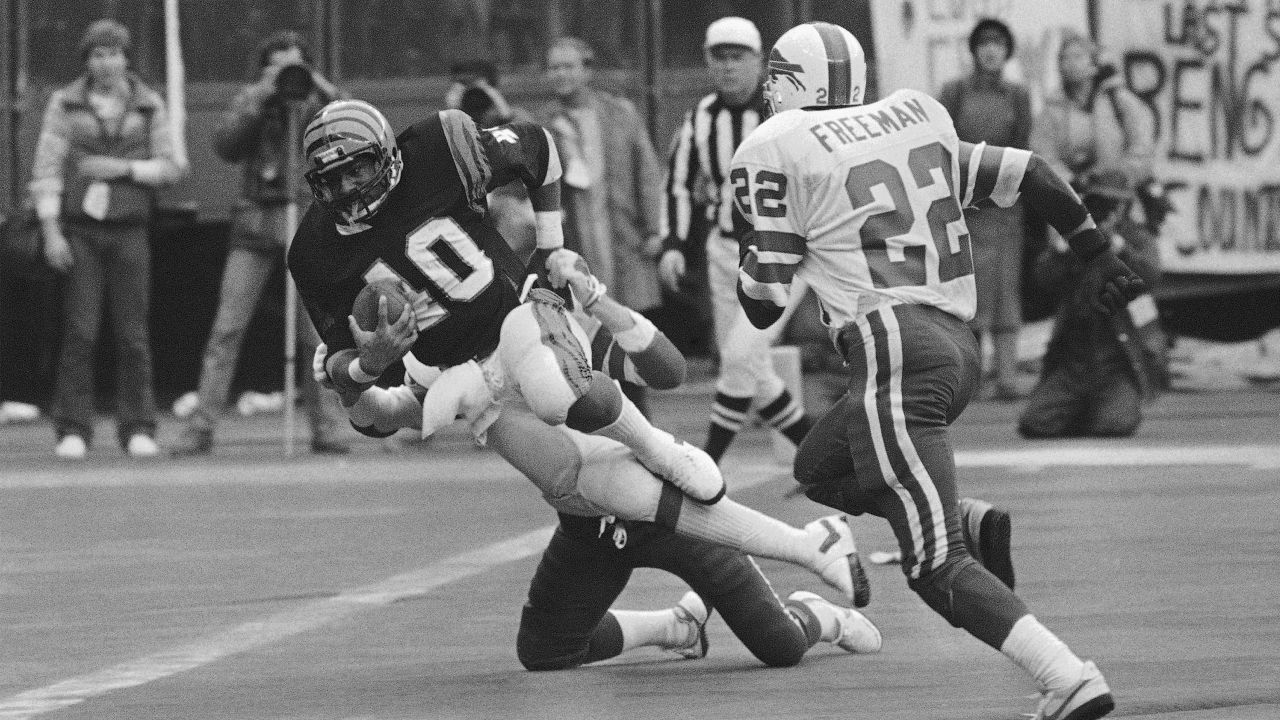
[{"x": 141, "y": 270}]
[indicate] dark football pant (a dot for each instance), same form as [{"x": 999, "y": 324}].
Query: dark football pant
[
  {"x": 565, "y": 622},
  {"x": 883, "y": 449}
]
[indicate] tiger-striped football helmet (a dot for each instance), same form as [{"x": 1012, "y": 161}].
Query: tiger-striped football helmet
[
  {"x": 352, "y": 159},
  {"x": 816, "y": 64}
]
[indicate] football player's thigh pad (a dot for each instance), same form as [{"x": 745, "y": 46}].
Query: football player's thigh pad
[
  {"x": 611, "y": 478},
  {"x": 548, "y": 356}
]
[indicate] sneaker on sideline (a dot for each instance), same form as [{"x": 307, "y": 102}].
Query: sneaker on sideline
[
  {"x": 71, "y": 447},
  {"x": 142, "y": 445}
]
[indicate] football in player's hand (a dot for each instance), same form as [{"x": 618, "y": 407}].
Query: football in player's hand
[{"x": 365, "y": 308}]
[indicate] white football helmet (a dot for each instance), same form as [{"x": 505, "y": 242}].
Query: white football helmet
[{"x": 815, "y": 65}]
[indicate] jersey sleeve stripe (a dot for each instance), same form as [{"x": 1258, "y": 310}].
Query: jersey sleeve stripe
[
  {"x": 779, "y": 242},
  {"x": 773, "y": 293},
  {"x": 988, "y": 172},
  {"x": 969, "y": 172},
  {"x": 769, "y": 272},
  {"x": 554, "y": 170},
  {"x": 1013, "y": 166},
  {"x": 679, "y": 211},
  {"x": 468, "y": 157}
]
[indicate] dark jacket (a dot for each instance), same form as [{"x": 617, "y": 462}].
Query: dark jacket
[
  {"x": 1088, "y": 343},
  {"x": 252, "y": 131}
]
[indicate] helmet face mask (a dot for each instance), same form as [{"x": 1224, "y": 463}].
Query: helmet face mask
[
  {"x": 353, "y": 162},
  {"x": 815, "y": 65}
]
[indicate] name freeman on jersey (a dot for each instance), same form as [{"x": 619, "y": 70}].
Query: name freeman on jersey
[{"x": 861, "y": 125}]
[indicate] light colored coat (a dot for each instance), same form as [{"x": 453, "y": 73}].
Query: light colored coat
[{"x": 611, "y": 221}]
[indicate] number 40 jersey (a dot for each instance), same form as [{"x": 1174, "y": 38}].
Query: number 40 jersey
[
  {"x": 865, "y": 203},
  {"x": 430, "y": 235}
]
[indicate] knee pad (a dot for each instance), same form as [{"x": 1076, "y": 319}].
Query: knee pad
[{"x": 548, "y": 357}]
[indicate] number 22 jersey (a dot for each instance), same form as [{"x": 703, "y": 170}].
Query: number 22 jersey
[
  {"x": 864, "y": 203},
  {"x": 430, "y": 234}
]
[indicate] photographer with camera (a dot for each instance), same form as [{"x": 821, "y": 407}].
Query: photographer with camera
[{"x": 254, "y": 132}]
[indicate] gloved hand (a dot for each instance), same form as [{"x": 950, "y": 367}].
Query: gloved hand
[
  {"x": 671, "y": 268},
  {"x": 1109, "y": 283},
  {"x": 460, "y": 392},
  {"x": 568, "y": 267}
]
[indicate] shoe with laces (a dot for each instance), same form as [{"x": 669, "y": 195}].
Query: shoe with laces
[
  {"x": 71, "y": 447},
  {"x": 141, "y": 445},
  {"x": 1088, "y": 699},
  {"x": 692, "y": 612},
  {"x": 838, "y": 563},
  {"x": 856, "y": 633},
  {"x": 689, "y": 468},
  {"x": 988, "y": 532}
]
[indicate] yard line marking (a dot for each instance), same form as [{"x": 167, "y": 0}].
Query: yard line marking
[
  {"x": 1262, "y": 457},
  {"x": 288, "y": 623},
  {"x": 275, "y": 627}
]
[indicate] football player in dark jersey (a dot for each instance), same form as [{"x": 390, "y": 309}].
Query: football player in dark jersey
[
  {"x": 411, "y": 209},
  {"x": 615, "y": 516}
]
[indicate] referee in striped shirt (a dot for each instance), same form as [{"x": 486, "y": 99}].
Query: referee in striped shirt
[{"x": 697, "y": 180}]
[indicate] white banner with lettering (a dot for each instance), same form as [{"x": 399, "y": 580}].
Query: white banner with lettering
[
  {"x": 922, "y": 44},
  {"x": 1208, "y": 70}
]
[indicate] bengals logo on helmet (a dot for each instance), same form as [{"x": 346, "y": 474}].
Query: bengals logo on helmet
[{"x": 780, "y": 67}]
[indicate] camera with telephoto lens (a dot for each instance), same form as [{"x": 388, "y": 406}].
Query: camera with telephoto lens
[{"x": 294, "y": 82}]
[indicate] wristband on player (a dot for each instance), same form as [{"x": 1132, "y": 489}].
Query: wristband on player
[
  {"x": 549, "y": 229},
  {"x": 357, "y": 373}
]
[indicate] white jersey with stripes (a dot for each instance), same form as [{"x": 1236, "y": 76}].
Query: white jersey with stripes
[{"x": 865, "y": 204}]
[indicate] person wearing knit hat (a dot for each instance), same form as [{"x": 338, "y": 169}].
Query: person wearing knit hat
[
  {"x": 105, "y": 33},
  {"x": 988, "y": 108},
  {"x": 104, "y": 148}
]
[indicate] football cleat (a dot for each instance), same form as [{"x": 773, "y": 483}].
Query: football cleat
[
  {"x": 1088, "y": 699},
  {"x": 856, "y": 634},
  {"x": 837, "y": 561},
  {"x": 688, "y": 468},
  {"x": 988, "y": 532},
  {"x": 692, "y": 612}
]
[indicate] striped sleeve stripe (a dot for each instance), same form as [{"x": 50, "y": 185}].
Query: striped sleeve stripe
[
  {"x": 779, "y": 242},
  {"x": 969, "y": 172},
  {"x": 679, "y": 200},
  {"x": 1012, "y": 167},
  {"x": 769, "y": 272},
  {"x": 988, "y": 172},
  {"x": 468, "y": 157},
  {"x": 554, "y": 171}
]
